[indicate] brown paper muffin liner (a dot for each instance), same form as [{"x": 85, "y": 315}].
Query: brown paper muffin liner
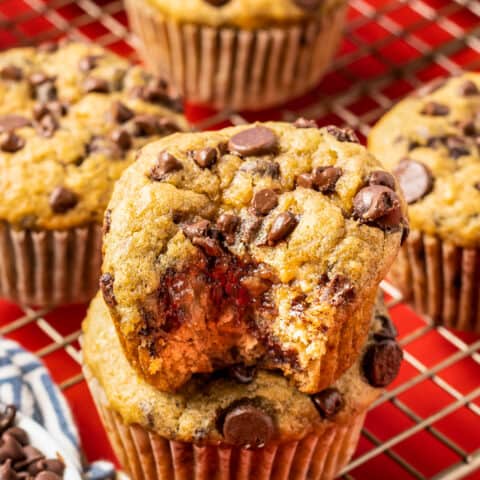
[
  {"x": 145, "y": 455},
  {"x": 49, "y": 268},
  {"x": 234, "y": 68},
  {"x": 441, "y": 280}
]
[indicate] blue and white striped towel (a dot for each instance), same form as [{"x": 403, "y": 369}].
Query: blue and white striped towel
[{"x": 26, "y": 383}]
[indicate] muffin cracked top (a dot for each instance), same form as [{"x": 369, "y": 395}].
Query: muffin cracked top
[
  {"x": 432, "y": 141},
  {"x": 260, "y": 244},
  {"x": 71, "y": 117}
]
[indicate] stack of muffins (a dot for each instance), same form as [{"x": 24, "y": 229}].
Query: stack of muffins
[{"x": 239, "y": 334}]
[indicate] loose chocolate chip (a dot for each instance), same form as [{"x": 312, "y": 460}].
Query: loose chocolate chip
[
  {"x": 122, "y": 138},
  {"x": 7, "y": 418},
  {"x": 264, "y": 201},
  {"x": 228, "y": 225},
  {"x": 258, "y": 140},
  {"x": 62, "y": 200},
  {"x": 282, "y": 226},
  {"x": 328, "y": 402},
  {"x": 310, "y": 5},
  {"x": 387, "y": 329},
  {"x": 106, "y": 286},
  {"x": 381, "y": 363},
  {"x": 248, "y": 426},
  {"x": 304, "y": 123},
  {"x": 343, "y": 134},
  {"x": 10, "y": 142},
  {"x": 243, "y": 374},
  {"x": 166, "y": 163},
  {"x": 217, "y": 3},
  {"x": 378, "y": 205},
  {"x": 325, "y": 178},
  {"x": 469, "y": 88},
  {"x": 11, "y": 72},
  {"x": 435, "y": 109},
  {"x": 120, "y": 113},
  {"x": 339, "y": 291},
  {"x": 8, "y": 123},
  {"x": 379, "y": 177},
  {"x": 95, "y": 84},
  {"x": 47, "y": 126},
  {"x": 206, "y": 157},
  {"x": 415, "y": 178},
  {"x": 88, "y": 63}
]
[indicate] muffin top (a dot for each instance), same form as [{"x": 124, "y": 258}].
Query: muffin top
[
  {"x": 248, "y": 14},
  {"x": 432, "y": 140},
  {"x": 71, "y": 117},
  {"x": 257, "y": 244},
  {"x": 240, "y": 406}
]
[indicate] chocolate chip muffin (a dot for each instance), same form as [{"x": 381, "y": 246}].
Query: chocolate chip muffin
[
  {"x": 71, "y": 119},
  {"x": 240, "y": 419},
  {"x": 261, "y": 244},
  {"x": 432, "y": 140},
  {"x": 241, "y": 54}
]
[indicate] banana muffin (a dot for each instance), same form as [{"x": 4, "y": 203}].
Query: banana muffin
[
  {"x": 71, "y": 119},
  {"x": 240, "y": 420},
  {"x": 432, "y": 140},
  {"x": 260, "y": 244},
  {"x": 241, "y": 54}
]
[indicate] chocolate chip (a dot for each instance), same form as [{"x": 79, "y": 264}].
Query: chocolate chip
[
  {"x": 167, "y": 126},
  {"x": 381, "y": 363},
  {"x": 145, "y": 125},
  {"x": 309, "y": 5},
  {"x": 258, "y": 140},
  {"x": 101, "y": 145},
  {"x": 120, "y": 113},
  {"x": 10, "y": 142},
  {"x": 468, "y": 128},
  {"x": 343, "y": 134},
  {"x": 198, "y": 228},
  {"x": 243, "y": 374},
  {"x": 328, "y": 402},
  {"x": 325, "y": 178},
  {"x": 477, "y": 186},
  {"x": 415, "y": 178},
  {"x": 106, "y": 286},
  {"x": 387, "y": 329},
  {"x": 9, "y": 123},
  {"x": 469, "y": 88},
  {"x": 122, "y": 138},
  {"x": 248, "y": 426},
  {"x": 228, "y": 225},
  {"x": 217, "y": 3},
  {"x": 304, "y": 123},
  {"x": 264, "y": 201},
  {"x": 262, "y": 167},
  {"x": 339, "y": 291},
  {"x": 166, "y": 163},
  {"x": 206, "y": 157},
  {"x": 11, "y": 72},
  {"x": 55, "y": 108},
  {"x": 379, "y": 177},
  {"x": 7, "y": 418},
  {"x": 62, "y": 200},
  {"x": 46, "y": 91},
  {"x": 282, "y": 226},
  {"x": 95, "y": 85},
  {"x": 435, "y": 109},
  {"x": 47, "y": 126},
  {"x": 88, "y": 63},
  {"x": 250, "y": 229},
  {"x": 456, "y": 146}
]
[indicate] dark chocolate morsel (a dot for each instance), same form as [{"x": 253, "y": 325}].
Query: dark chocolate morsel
[
  {"x": 469, "y": 88},
  {"x": 379, "y": 177},
  {"x": 196, "y": 229},
  {"x": 47, "y": 126},
  {"x": 62, "y": 200},
  {"x": 435, "y": 109},
  {"x": 122, "y": 138},
  {"x": 106, "y": 286},
  {"x": 304, "y": 123},
  {"x": 257, "y": 140},
  {"x": 206, "y": 157},
  {"x": 381, "y": 362},
  {"x": 328, "y": 402},
  {"x": 120, "y": 113},
  {"x": 339, "y": 291},
  {"x": 166, "y": 163},
  {"x": 11, "y": 72},
  {"x": 305, "y": 180},
  {"x": 283, "y": 225},
  {"x": 242, "y": 373},
  {"x": 228, "y": 225},
  {"x": 476, "y": 185},
  {"x": 10, "y": 142},
  {"x": 248, "y": 426},
  {"x": 325, "y": 178},
  {"x": 145, "y": 125},
  {"x": 264, "y": 201},
  {"x": 343, "y": 134},
  {"x": 415, "y": 178},
  {"x": 378, "y": 205}
]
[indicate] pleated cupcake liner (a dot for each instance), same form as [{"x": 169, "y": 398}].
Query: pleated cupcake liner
[
  {"x": 49, "y": 268},
  {"x": 234, "y": 68},
  {"x": 441, "y": 280}
]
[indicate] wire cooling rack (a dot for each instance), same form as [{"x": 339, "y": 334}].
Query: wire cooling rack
[{"x": 428, "y": 424}]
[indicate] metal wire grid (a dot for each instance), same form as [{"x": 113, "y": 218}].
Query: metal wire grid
[{"x": 113, "y": 34}]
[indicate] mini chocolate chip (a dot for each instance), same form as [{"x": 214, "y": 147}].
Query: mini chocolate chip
[
  {"x": 122, "y": 138},
  {"x": 381, "y": 363},
  {"x": 264, "y": 201},
  {"x": 415, "y": 178},
  {"x": 217, "y": 3},
  {"x": 10, "y": 142},
  {"x": 228, "y": 225},
  {"x": 88, "y": 63},
  {"x": 206, "y": 157},
  {"x": 120, "y": 113},
  {"x": 328, "y": 402},
  {"x": 339, "y": 291},
  {"x": 282, "y": 226},
  {"x": 166, "y": 163},
  {"x": 435, "y": 109},
  {"x": 11, "y": 72},
  {"x": 343, "y": 134},
  {"x": 379, "y": 177},
  {"x": 257, "y": 141},
  {"x": 248, "y": 426},
  {"x": 308, "y": 4},
  {"x": 7, "y": 472},
  {"x": 8, "y": 123},
  {"x": 62, "y": 200},
  {"x": 106, "y": 286},
  {"x": 325, "y": 178},
  {"x": 47, "y": 126},
  {"x": 469, "y": 88},
  {"x": 7, "y": 417},
  {"x": 304, "y": 123},
  {"x": 243, "y": 374},
  {"x": 387, "y": 329},
  {"x": 95, "y": 84}
]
